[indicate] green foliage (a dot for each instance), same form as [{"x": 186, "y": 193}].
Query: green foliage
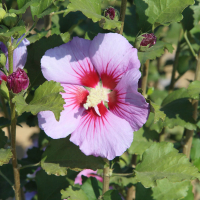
[
  {"x": 143, "y": 193},
  {"x": 166, "y": 190},
  {"x": 165, "y": 12},
  {"x": 74, "y": 193},
  {"x": 36, "y": 37},
  {"x": 92, "y": 10},
  {"x": 195, "y": 150},
  {"x": 4, "y": 90},
  {"x": 3, "y": 139},
  {"x": 158, "y": 114},
  {"x": 111, "y": 195},
  {"x": 192, "y": 92},
  {"x": 160, "y": 161},
  {"x": 62, "y": 154},
  {"x": 155, "y": 51},
  {"x": 49, "y": 186},
  {"x": 190, "y": 195},
  {"x": 4, "y": 122},
  {"x": 5, "y": 156},
  {"x": 46, "y": 97},
  {"x": 196, "y": 15}
]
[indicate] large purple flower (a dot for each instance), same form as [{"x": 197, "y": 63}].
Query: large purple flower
[
  {"x": 19, "y": 57},
  {"x": 102, "y": 105}
]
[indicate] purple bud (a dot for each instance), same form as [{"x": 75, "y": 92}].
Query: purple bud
[
  {"x": 145, "y": 41},
  {"x": 111, "y": 13},
  {"x": 17, "y": 81},
  {"x": 148, "y": 39}
]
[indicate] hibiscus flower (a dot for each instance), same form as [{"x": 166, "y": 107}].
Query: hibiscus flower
[
  {"x": 102, "y": 105},
  {"x": 19, "y": 57}
]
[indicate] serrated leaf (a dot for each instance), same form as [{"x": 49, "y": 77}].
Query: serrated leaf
[
  {"x": 49, "y": 186},
  {"x": 4, "y": 122},
  {"x": 63, "y": 154},
  {"x": 160, "y": 161},
  {"x": 3, "y": 139},
  {"x": 92, "y": 10},
  {"x": 165, "y": 12},
  {"x": 5, "y": 156},
  {"x": 50, "y": 9},
  {"x": 143, "y": 193},
  {"x": 112, "y": 195},
  {"x": 155, "y": 51},
  {"x": 13, "y": 30},
  {"x": 140, "y": 143},
  {"x": 166, "y": 190},
  {"x": 158, "y": 114},
  {"x": 46, "y": 97},
  {"x": 196, "y": 15},
  {"x": 192, "y": 92},
  {"x": 125, "y": 181},
  {"x": 179, "y": 113},
  {"x": 190, "y": 195},
  {"x": 73, "y": 193}
]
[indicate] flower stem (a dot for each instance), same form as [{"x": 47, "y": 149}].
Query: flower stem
[
  {"x": 31, "y": 165},
  {"x": 122, "y": 15},
  {"x": 106, "y": 177},
  {"x": 189, "y": 133},
  {"x": 171, "y": 87},
  {"x": 145, "y": 72},
  {"x": 57, "y": 13},
  {"x": 13, "y": 130}
]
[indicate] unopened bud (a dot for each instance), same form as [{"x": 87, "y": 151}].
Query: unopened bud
[
  {"x": 145, "y": 41},
  {"x": 2, "y": 13},
  {"x": 111, "y": 13},
  {"x": 17, "y": 81},
  {"x": 2, "y": 59},
  {"x": 10, "y": 20}
]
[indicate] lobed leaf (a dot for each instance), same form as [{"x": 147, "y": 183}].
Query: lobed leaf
[
  {"x": 160, "y": 161},
  {"x": 112, "y": 195},
  {"x": 62, "y": 154},
  {"x": 46, "y": 97},
  {"x": 5, "y": 156},
  {"x": 166, "y": 190},
  {"x": 92, "y": 10}
]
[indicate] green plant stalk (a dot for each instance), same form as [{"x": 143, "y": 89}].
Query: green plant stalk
[
  {"x": 145, "y": 72},
  {"x": 106, "y": 177},
  {"x": 175, "y": 64},
  {"x": 13, "y": 130},
  {"x": 122, "y": 15},
  {"x": 189, "y": 133}
]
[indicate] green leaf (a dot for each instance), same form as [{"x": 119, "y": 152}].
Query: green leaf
[
  {"x": 92, "y": 10},
  {"x": 33, "y": 64},
  {"x": 92, "y": 188},
  {"x": 192, "y": 92},
  {"x": 158, "y": 114},
  {"x": 195, "y": 150},
  {"x": 190, "y": 195},
  {"x": 63, "y": 154},
  {"x": 46, "y": 97},
  {"x": 165, "y": 12},
  {"x": 166, "y": 190},
  {"x": 36, "y": 37},
  {"x": 112, "y": 195},
  {"x": 143, "y": 193},
  {"x": 5, "y": 156},
  {"x": 140, "y": 143},
  {"x": 179, "y": 113},
  {"x": 4, "y": 122},
  {"x": 155, "y": 51},
  {"x": 160, "y": 161},
  {"x": 73, "y": 193},
  {"x": 50, "y": 9},
  {"x": 38, "y": 7},
  {"x": 3, "y": 139},
  {"x": 125, "y": 181},
  {"x": 183, "y": 64},
  {"x": 12, "y": 31},
  {"x": 4, "y": 90},
  {"x": 196, "y": 15},
  {"x": 49, "y": 186}
]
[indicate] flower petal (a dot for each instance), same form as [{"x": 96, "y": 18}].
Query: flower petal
[
  {"x": 112, "y": 55},
  {"x": 70, "y": 63},
  {"x": 88, "y": 173},
  {"x": 127, "y": 103},
  {"x": 106, "y": 136},
  {"x": 74, "y": 97}
]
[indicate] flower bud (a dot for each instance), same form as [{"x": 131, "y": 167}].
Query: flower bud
[
  {"x": 17, "y": 81},
  {"x": 111, "y": 13},
  {"x": 2, "y": 13},
  {"x": 2, "y": 59},
  {"x": 145, "y": 41},
  {"x": 10, "y": 20}
]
